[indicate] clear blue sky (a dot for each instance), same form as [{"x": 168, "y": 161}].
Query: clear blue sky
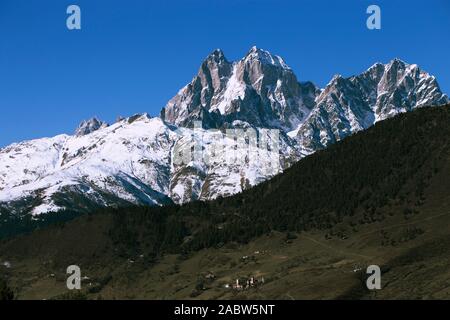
[{"x": 133, "y": 56}]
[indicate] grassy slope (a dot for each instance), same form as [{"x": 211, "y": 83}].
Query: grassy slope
[{"x": 407, "y": 235}]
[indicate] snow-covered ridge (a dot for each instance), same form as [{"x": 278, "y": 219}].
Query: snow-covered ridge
[
  {"x": 117, "y": 159},
  {"x": 265, "y": 57},
  {"x": 132, "y": 160}
]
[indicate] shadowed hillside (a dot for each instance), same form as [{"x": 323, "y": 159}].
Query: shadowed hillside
[{"x": 378, "y": 197}]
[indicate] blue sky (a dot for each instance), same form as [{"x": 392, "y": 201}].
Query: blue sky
[{"x": 133, "y": 56}]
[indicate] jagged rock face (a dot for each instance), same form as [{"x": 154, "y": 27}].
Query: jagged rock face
[
  {"x": 219, "y": 177},
  {"x": 259, "y": 89},
  {"x": 404, "y": 87},
  {"x": 89, "y": 126},
  {"x": 190, "y": 103},
  {"x": 135, "y": 159},
  {"x": 348, "y": 105}
]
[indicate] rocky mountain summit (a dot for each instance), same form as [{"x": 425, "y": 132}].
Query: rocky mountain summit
[{"x": 259, "y": 89}]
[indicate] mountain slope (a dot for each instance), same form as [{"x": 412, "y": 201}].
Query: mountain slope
[
  {"x": 103, "y": 167},
  {"x": 378, "y": 197},
  {"x": 133, "y": 160}
]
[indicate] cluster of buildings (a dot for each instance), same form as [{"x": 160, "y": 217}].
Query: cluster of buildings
[{"x": 245, "y": 284}]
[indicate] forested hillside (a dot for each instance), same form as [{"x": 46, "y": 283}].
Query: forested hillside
[{"x": 357, "y": 181}]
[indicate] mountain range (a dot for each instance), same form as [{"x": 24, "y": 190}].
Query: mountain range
[{"x": 132, "y": 161}]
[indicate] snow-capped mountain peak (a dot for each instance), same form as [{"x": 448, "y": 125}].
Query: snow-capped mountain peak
[
  {"x": 265, "y": 57},
  {"x": 259, "y": 89},
  {"x": 347, "y": 105}
]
